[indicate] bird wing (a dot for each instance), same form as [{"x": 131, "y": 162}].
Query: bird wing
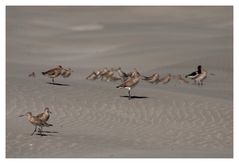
[
  {"x": 193, "y": 73},
  {"x": 162, "y": 79},
  {"x": 168, "y": 80},
  {"x": 40, "y": 115},
  {"x": 125, "y": 83}
]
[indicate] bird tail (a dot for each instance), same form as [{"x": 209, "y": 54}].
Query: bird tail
[{"x": 44, "y": 73}]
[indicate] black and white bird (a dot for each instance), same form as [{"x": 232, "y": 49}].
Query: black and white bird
[{"x": 198, "y": 76}]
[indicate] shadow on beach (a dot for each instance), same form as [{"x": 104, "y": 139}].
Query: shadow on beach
[
  {"x": 47, "y": 133},
  {"x": 59, "y": 84},
  {"x": 136, "y": 97}
]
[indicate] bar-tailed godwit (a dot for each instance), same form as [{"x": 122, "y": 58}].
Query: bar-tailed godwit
[
  {"x": 131, "y": 82},
  {"x": 44, "y": 116},
  {"x": 53, "y": 73},
  {"x": 66, "y": 72},
  {"x": 92, "y": 76},
  {"x": 153, "y": 79},
  {"x": 165, "y": 79},
  {"x": 122, "y": 74},
  {"x": 34, "y": 120}
]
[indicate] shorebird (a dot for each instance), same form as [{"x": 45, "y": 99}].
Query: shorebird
[
  {"x": 194, "y": 74},
  {"x": 131, "y": 82},
  {"x": 54, "y": 72},
  {"x": 152, "y": 79},
  {"x": 34, "y": 120},
  {"x": 102, "y": 72},
  {"x": 66, "y": 72},
  {"x": 32, "y": 75},
  {"x": 44, "y": 116},
  {"x": 107, "y": 74},
  {"x": 124, "y": 76},
  {"x": 165, "y": 79},
  {"x": 92, "y": 76}
]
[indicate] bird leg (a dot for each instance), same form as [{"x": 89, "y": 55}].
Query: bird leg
[
  {"x": 34, "y": 130},
  {"x": 40, "y": 129},
  {"x": 201, "y": 83},
  {"x": 52, "y": 80},
  {"x": 129, "y": 94}
]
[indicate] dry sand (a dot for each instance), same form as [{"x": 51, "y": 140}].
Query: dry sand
[{"x": 93, "y": 118}]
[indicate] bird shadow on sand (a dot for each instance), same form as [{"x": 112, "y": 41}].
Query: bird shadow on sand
[
  {"x": 46, "y": 133},
  {"x": 59, "y": 84},
  {"x": 49, "y": 131},
  {"x": 136, "y": 97}
]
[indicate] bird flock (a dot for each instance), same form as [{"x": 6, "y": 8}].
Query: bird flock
[
  {"x": 128, "y": 81},
  {"x": 131, "y": 79}
]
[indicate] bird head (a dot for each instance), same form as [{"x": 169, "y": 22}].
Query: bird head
[
  {"x": 59, "y": 66},
  {"x": 47, "y": 110},
  {"x": 136, "y": 73}
]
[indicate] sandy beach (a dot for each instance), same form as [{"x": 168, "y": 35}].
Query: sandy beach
[{"x": 94, "y": 118}]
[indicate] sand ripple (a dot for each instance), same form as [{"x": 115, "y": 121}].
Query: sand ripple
[{"x": 166, "y": 121}]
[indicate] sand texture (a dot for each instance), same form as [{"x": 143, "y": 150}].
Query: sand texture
[{"x": 94, "y": 118}]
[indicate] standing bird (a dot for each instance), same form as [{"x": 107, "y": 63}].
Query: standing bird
[
  {"x": 66, "y": 72},
  {"x": 44, "y": 116},
  {"x": 108, "y": 74},
  {"x": 34, "y": 120},
  {"x": 102, "y": 73},
  {"x": 124, "y": 76},
  {"x": 195, "y": 74},
  {"x": 54, "y": 72},
  {"x": 153, "y": 79},
  {"x": 131, "y": 82},
  {"x": 92, "y": 76},
  {"x": 165, "y": 79}
]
